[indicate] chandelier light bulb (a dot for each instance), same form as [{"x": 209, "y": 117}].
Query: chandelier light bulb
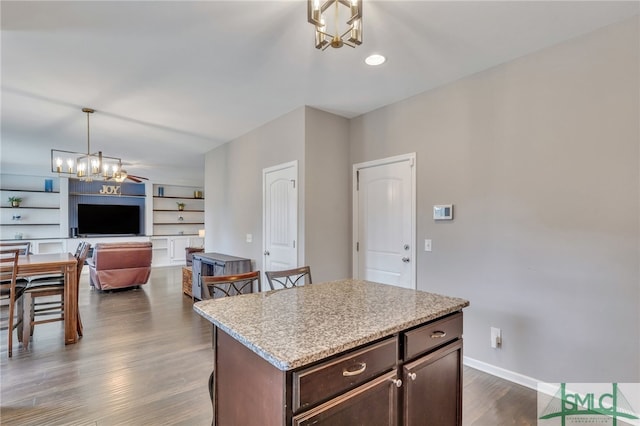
[{"x": 95, "y": 166}]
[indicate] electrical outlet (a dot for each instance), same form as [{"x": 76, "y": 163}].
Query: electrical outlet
[
  {"x": 496, "y": 337},
  {"x": 249, "y": 238},
  {"x": 427, "y": 245}
]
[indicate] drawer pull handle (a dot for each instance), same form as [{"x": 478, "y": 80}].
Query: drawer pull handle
[
  {"x": 438, "y": 334},
  {"x": 397, "y": 382},
  {"x": 359, "y": 370},
  {"x": 412, "y": 376}
]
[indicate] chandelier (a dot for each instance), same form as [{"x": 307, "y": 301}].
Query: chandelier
[
  {"x": 87, "y": 166},
  {"x": 349, "y": 33}
]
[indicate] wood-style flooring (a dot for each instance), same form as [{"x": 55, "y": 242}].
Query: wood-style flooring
[{"x": 145, "y": 359}]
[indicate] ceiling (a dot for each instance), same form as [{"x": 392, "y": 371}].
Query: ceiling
[{"x": 171, "y": 80}]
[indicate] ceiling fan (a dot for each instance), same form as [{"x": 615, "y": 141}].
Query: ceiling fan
[{"x": 122, "y": 174}]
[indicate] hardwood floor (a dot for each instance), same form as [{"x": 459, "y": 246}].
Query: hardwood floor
[{"x": 145, "y": 360}]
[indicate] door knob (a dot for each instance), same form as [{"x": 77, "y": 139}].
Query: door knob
[
  {"x": 405, "y": 259},
  {"x": 266, "y": 253}
]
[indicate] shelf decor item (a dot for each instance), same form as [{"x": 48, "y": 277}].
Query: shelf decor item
[
  {"x": 48, "y": 185},
  {"x": 180, "y": 205},
  {"x": 161, "y": 191},
  {"x": 15, "y": 201},
  {"x": 197, "y": 194}
]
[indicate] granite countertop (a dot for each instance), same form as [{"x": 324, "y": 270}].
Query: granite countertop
[{"x": 294, "y": 327}]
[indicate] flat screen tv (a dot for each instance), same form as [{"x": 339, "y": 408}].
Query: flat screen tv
[{"x": 108, "y": 219}]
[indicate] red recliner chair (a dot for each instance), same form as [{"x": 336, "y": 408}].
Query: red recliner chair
[{"x": 120, "y": 265}]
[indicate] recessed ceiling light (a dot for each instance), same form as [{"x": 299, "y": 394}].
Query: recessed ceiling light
[{"x": 375, "y": 59}]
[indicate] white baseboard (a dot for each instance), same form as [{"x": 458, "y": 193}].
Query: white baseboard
[{"x": 511, "y": 376}]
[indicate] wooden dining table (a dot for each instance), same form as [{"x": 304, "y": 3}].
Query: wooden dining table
[{"x": 54, "y": 263}]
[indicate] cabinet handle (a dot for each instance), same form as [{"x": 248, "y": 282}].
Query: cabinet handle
[
  {"x": 359, "y": 370},
  {"x": 412, "y": 376},
  {"x": 438, "y": 334},
  {"x": 397, "y": 382}
]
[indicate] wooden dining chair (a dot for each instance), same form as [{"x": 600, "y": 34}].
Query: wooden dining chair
[
  {"x": 229, "y": 285},
  {"x": 289, "y": 277},
  {"x": 23, "y": 247},
  {"x": 11, "y": 294},
  {"x": 225, "y": 286},
  {"x": 51, "y": 287}
]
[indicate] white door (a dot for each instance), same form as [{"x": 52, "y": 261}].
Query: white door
[
  {"x": 280, "y": 218},
  {"x": 384, "y": 221}
]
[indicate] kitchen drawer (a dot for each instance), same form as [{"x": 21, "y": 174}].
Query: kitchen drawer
[
  {"x": 432, "y": 335},
  {"x": 371, "y": 404},
  {"x": 324, "y": 381}
]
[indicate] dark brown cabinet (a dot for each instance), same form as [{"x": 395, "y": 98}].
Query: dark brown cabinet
[
  {"x": 432, "y": 388},
  {"x": 410, "y": 378}
]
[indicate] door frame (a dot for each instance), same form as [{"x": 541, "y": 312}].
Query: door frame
[
  {"x": 266, "y": 171},
  {"x": 411, "y": 158}
]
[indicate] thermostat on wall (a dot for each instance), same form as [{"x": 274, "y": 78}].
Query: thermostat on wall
[{"x": 443, "y": 212}]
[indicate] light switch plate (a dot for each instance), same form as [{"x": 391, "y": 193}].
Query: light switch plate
[
  {"x": 427, "y": 245},
  {"x": 249, "y": 238},
  {"x": 496, "y": 337}
]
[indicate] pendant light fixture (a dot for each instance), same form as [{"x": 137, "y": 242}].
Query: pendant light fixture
[
  {"x": 326, "y": 16},
  {"x": 86, "y": 166}
]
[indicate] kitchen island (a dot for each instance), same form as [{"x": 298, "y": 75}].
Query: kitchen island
[{"x": 343, "y": 352}]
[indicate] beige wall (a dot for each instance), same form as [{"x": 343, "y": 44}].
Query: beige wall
[
  {"x": 233, "y": 187},
  {"x": 328, "y": 198},
  {"x": 233, "y": 184},
  {"x": 540, "y": 157}
]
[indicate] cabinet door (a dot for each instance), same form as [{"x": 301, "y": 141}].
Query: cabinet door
[
  {"x": 177, "y": 251},
  {"x": 372, "y": 404},
  {"x": 219, "y": 269},
  {"x": 433, "y": 388},
  {"x": 196, "y": 284}
]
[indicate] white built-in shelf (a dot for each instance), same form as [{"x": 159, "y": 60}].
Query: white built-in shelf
[
  {"x": 166, "y": 215},
  {"x": 180, "y": 198},
  {"x": 175, "y": 235},
  {"x": 30, "y": 224},
  {"x": 179, "y": 223},
  {"x": 39, "y": 211},
  {"x": 176, "y": 211},
  {"x": 107, "y": 195},
  {"x": 29, "y": 190},
  {"x": 30, "y": 207}
]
